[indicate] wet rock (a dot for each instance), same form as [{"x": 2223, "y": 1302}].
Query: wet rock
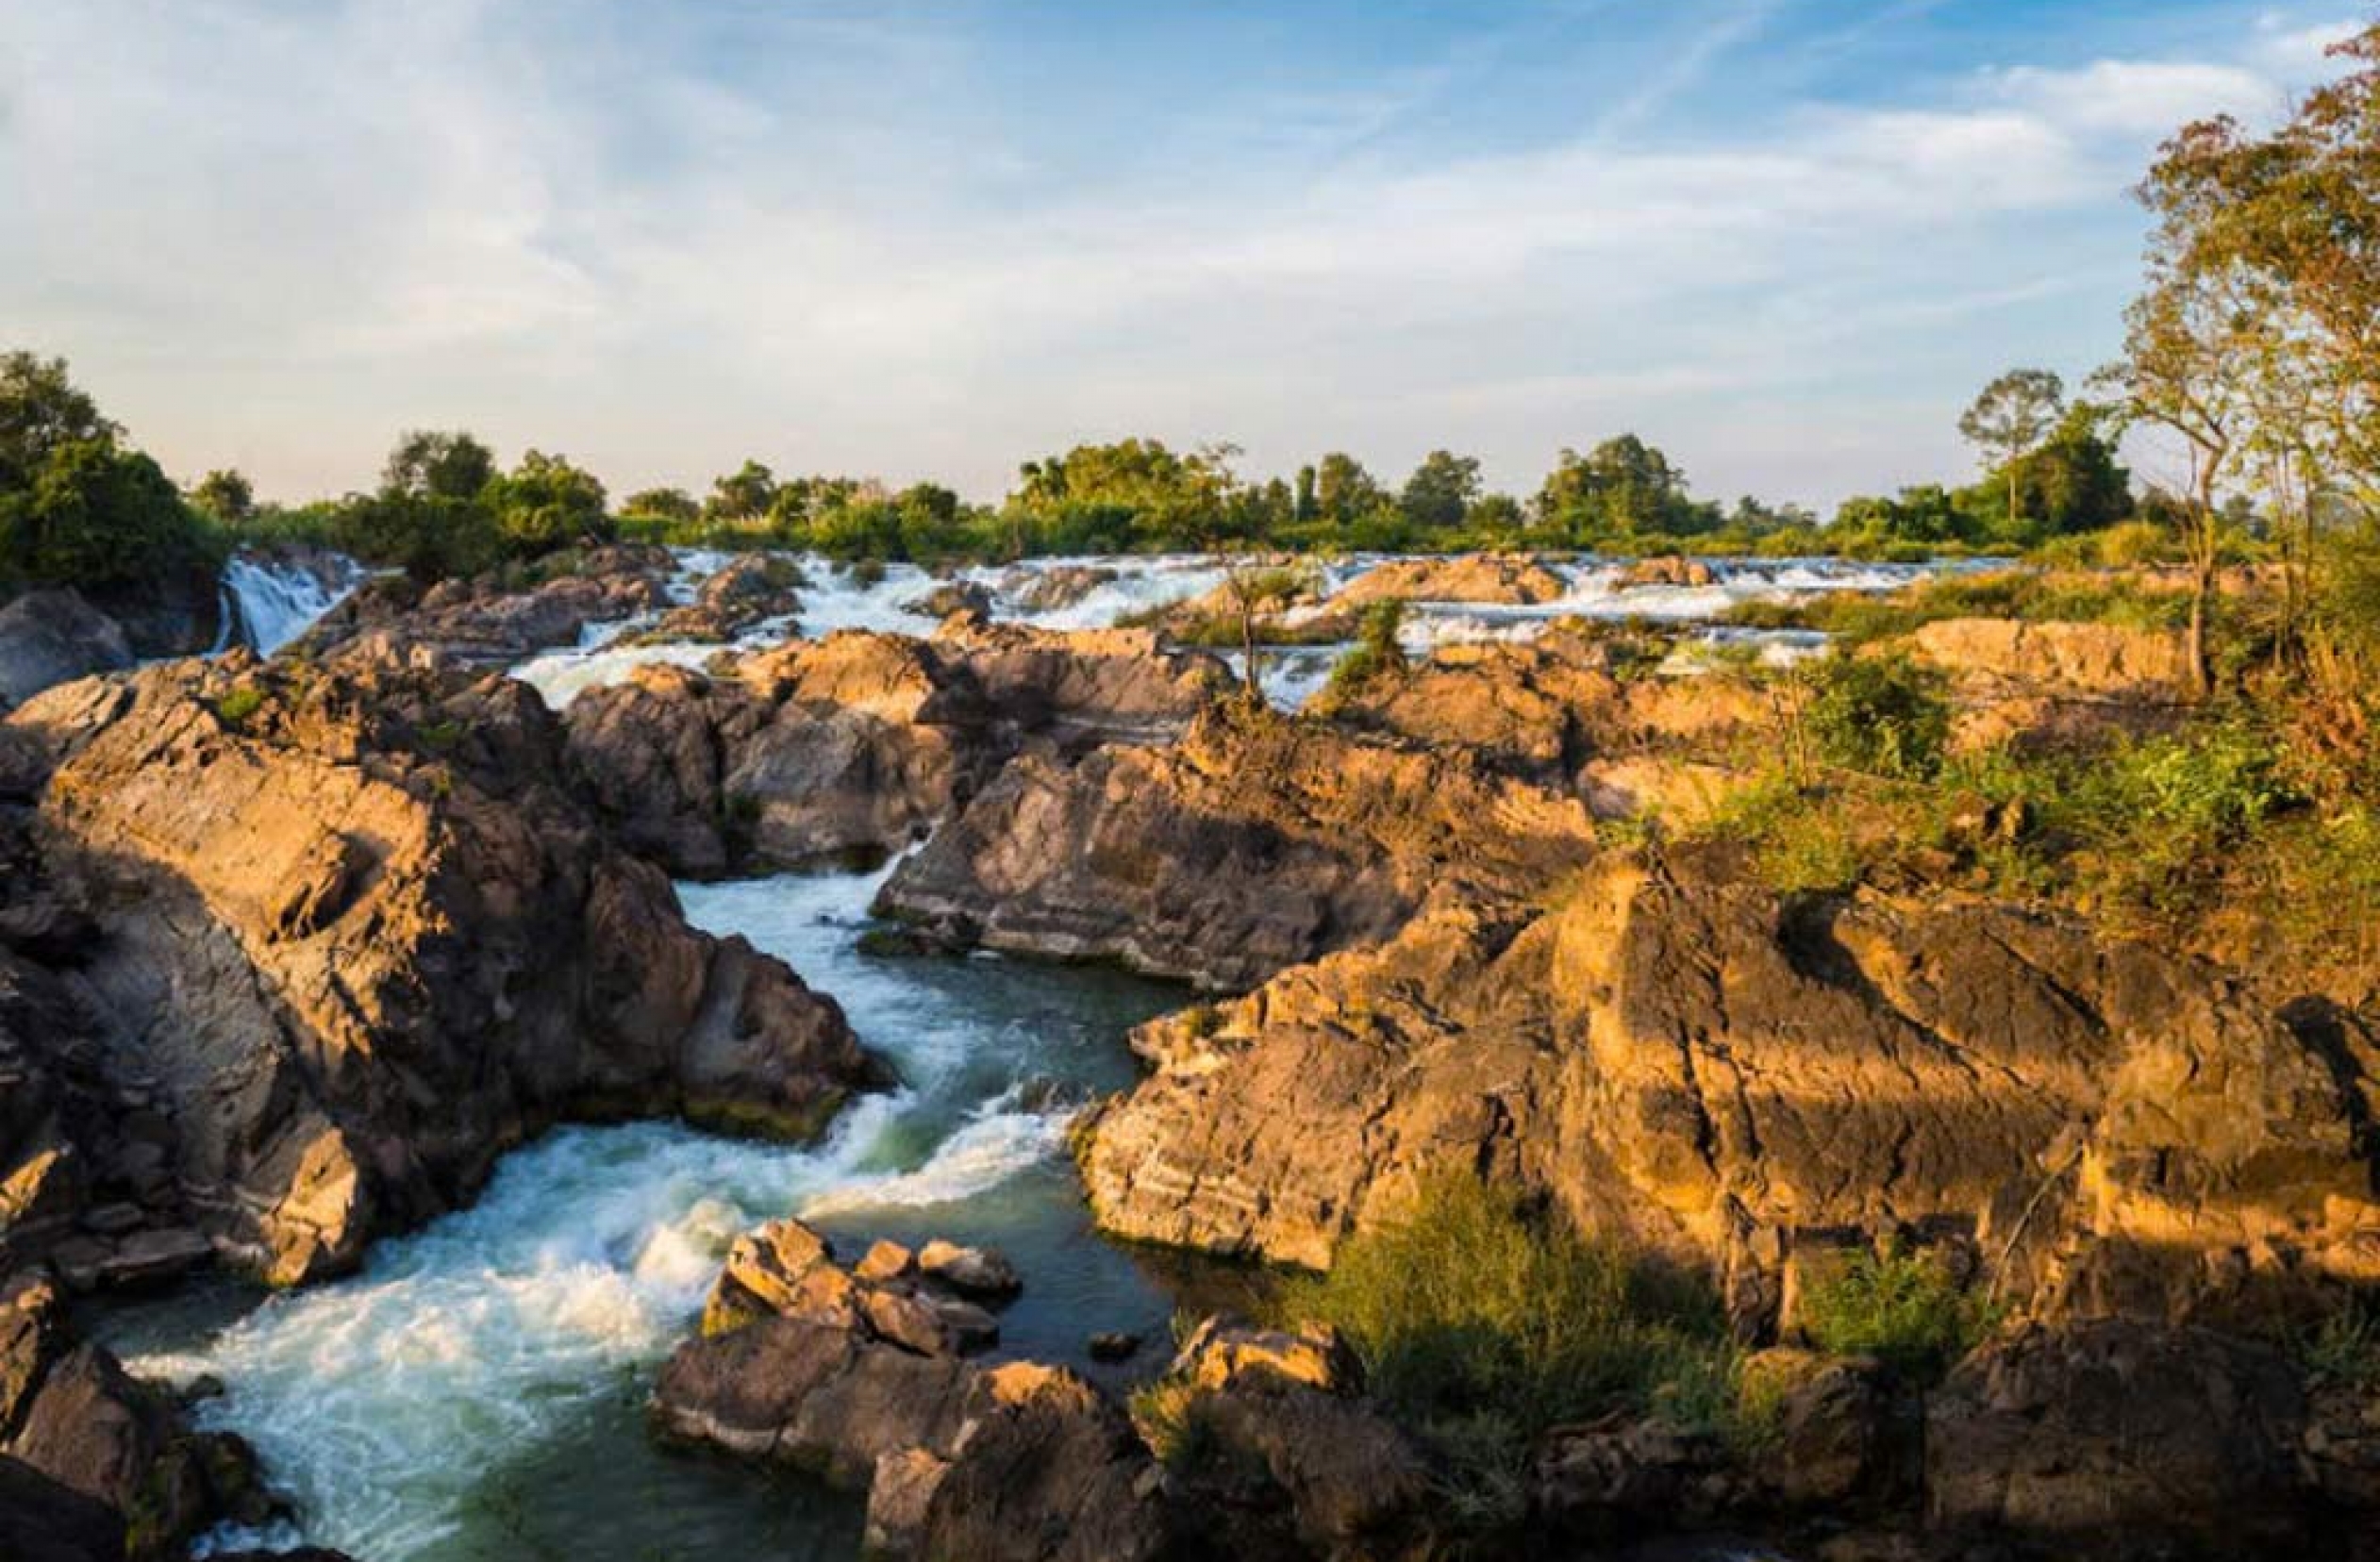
[
  {"x": 951, "y": 596},
  {"x": 885, "y": 1260},
  {"x": 1043, "y": 590},
  {"x": 1113, "y": 1345},
  {"x": 54, "y": 637},
  {"x": 497, "y": 619},
  {"x": 745, "y": 593},
  {"x": 356, "y": 944}
]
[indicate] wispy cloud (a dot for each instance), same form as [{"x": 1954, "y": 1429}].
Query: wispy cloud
[{"x": 276, "y": 234}]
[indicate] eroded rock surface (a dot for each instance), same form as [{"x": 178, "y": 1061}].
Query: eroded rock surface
[
  {"x": 354, "y": 941},
  {"x": 1496, "y": 579},
  {"x": 495, "y": 620}
]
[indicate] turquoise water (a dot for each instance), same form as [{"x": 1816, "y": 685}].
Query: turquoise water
[{"x": 477, "y": 1392}]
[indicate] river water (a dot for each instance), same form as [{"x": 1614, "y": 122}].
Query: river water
[{"x": 476, "y": 1391}]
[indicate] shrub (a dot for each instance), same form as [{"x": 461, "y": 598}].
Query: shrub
[
  {"x": 1378, "y": 651},
  {"x": 238, "y": 704},
  {"x": 1902, "y": 1306},
  {"x": 2343, "y": 1349},
  {"x": 1884, "y": 715},
  {"x": 1471, "y": 1303}
]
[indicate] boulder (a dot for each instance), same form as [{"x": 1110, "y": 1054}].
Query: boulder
[
  {"x": 742, "y": 595},
  {"x": 1043, "y": 590},
  {"x": 53, "y": 636},
  {"x": 43, "y": 1519},
  {"x": 1493, "y": 579},
  {"x": 356, "y": 943},
  {"x": 1848, "y": 1434},
  {"x": 1672, "y": 569},
  {"x": 496, "y": 619},
  {"x": 952, "y": 597},
  {"x": 973, "y": 1271}
]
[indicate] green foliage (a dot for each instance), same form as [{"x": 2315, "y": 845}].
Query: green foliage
[
  {"x": 1376, "y": 654},
  {"x": 77, "y": 507},
  {"x": 2342, "y": 1349},
  {"x": 1473, "y": 1305},
  {"x": 237, "y": 705},
  {"x": 1902, "y": 1306},
  {"x": 546, "y": 503},
  {"x": 1801, "y": 837},
  {"x": 1881, "y": 714},
  {"x": 226, "y": 497},
  {"x": 427, "y": 464}
]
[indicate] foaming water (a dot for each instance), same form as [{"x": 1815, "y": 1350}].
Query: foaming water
[
  {"x": 271, "y": 603},
  {"x": 476, "y": 1390}
]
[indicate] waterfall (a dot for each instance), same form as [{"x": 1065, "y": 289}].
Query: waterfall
[{"x": 270, "y": 602}]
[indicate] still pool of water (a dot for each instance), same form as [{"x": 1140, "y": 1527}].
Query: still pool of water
[{"x": 477, "y": 1390}]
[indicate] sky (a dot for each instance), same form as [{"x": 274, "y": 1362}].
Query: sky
[{"x": 1785, "y": 240}]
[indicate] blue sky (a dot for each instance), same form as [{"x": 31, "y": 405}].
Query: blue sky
[{"x": 1786, "y": 240}]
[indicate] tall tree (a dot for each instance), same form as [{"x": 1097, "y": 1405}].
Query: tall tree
[
  {"x": 1440, "y": 490},
  {"x": 225, "y": 494},
  {"x": 427, "y": 464},
  {"x": 2012, "y": 415},
  {"x": 40, "y": 409}
]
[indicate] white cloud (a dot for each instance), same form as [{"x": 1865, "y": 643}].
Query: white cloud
[{"x": 275, "y": 235}]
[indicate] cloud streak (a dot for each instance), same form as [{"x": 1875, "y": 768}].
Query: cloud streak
[{"x": 276, "y": 234}]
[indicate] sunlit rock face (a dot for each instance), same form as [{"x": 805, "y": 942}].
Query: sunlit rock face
[
  {"x": 1712, "y": 1068},
  {"x": 354, "y": 941}
]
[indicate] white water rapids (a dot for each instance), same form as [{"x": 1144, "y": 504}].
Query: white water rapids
[
  {"x": 270, "y": 603},
  {"x": 518, "y": 1334}
]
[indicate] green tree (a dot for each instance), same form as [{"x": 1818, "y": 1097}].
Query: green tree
[
  {"x": 226, "y": 495},
  {"x": 40, "y": 409},
  {"x": 2072, "y": 481},
  {"x": 427, "y": 464},
  {"x": 667, "y": 504},
  {"x": 97, "y": 515},
  {"x": 1622, "y": 488},
  {"x": 546, "y": 502},
  {"x": 1344, "y": 492},
  {"x": 2012, "y": 415},
  {"x": 1440, "y": 490},
  {"x": 745, "y": 495}
]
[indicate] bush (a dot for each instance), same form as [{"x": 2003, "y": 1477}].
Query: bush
[
  {"x": 238, "y": 704},
  {"x": 1378, "y": 651},
  {"x": 1884, "y": 715},
  {"x": 1903, "y": 1308},
  {"x": 1471, "y": 1303}
]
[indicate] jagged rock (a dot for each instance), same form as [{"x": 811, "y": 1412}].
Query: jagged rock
[
  {"x": 50, "y": 638},
  {"x": 493, "y": 620},
  {"x": 1221, "y": 1352},
  {"x": 2103, "y": 1440},
  {"x": 743, "y": 594},
  {"x": 1047, "y": 590},
  {"x": 355, "y": 944},
  {"x": 1630, "y": 1474},
  {"x": 1690, "y": 1061},
  {"x": 1250, "y": 845},
  {"x": 2046, "y": 684},
  {"x": 861, "y": 741},
  {"x": 788, "y": 1270},
  {"x": 1496, "y": 579}
]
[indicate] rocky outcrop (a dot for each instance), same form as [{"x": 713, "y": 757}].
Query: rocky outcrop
[
  {"x": 852, "y": 1372},
  {"x": 746, "y": 593},
  {"x": 48, "y": 638},
  {"x": 1044, "y": 590},
  {"x": 499, "y": 619},
  {"x": 2053, "y": 683},
  {"x": 122, "y": 1449},
  {"x": 1254, "y": 844},
  {"x": 1493, "y": 579},
  {"x": 1672, "y": 569},
  {"x": 1707, "y": 1069},
  {"x": 354, "y": 941},
  {"x": 860, "y": 742},
  {"x": 2113, "y": 1439}
]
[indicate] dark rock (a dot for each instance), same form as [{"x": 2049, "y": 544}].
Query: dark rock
[{"x": 50, "y": 638}]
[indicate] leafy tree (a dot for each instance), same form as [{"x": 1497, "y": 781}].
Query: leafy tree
[
  {"x": 1440, "y": 490},
  {"x": 1344, "y": 492},
  {"x": 668, "y": 504},
  {"x": 226, "y": 495},
  {"x": 431, "y": 465},
  {"x": 546, "y": 502},
  {"x": 2072, "y": 481},
  {"x": 1305, "y": 506},
  {"x": 97, "y": 515},
  {"x": 1624, "y": 488},
  {"x": 40, "y": 409},
  {"x": 745, "y": 495},
  {"x": 2012, "y": 415}
]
